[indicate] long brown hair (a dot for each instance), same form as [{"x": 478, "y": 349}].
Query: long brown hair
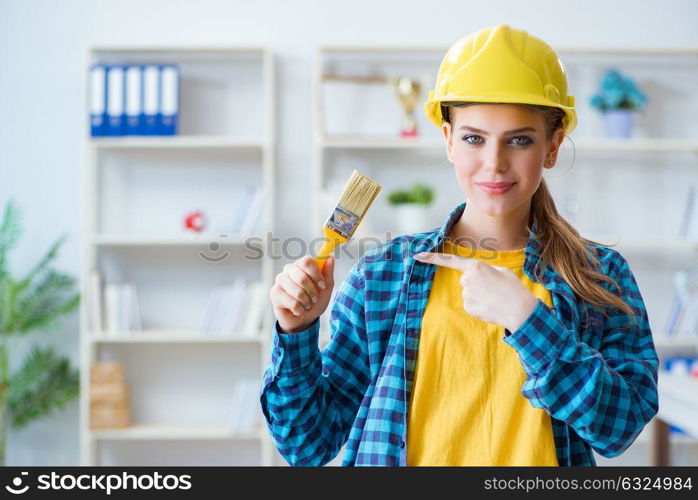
[{"x": 562, "y": 246}]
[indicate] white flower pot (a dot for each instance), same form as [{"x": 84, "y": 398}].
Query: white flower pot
[
  {"x": 619, "y": 123},
  {"x": 411, "y": 218}
]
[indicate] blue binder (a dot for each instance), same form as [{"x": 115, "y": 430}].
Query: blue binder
[
  {"x": 151, "y": 100},
  {"x": 98, "y": 100},
  {"x": 169, "y": 99},
  {"x": 116, "y": 112},
  {"x": 134, "y": 100}
]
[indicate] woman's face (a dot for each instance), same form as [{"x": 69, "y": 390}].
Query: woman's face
[{"x": 499, "y": 143}]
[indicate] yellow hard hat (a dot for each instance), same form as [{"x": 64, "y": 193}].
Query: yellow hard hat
[{"x": 501, "y": 64}]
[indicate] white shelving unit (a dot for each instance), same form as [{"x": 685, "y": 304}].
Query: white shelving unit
[
  {"x": 136, "y": 192},
  {"x": 616, "y": 184}
]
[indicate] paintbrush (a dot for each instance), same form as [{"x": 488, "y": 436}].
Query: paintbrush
[{"x": 353, "y": 203}]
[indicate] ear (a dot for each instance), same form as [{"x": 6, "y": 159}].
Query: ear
[
  {"x": 555, "y": 142},
  {"x": 446, "y": 129}
]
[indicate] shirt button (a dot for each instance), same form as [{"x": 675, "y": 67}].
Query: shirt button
[{"x": 402, "y": 444}]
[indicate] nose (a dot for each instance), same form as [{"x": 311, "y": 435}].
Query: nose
[{"x": 495, "y": 158}]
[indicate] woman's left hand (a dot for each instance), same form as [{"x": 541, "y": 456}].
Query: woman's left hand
[{"x": 490, "y": 293}]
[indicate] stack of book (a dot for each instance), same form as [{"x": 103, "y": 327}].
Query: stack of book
[
  {"x": 683, "y": 317},
  {"x": 689, "y": 223},
  {"x": 122, "y": 311},
  {"x": 113, "y": 307},
  {"x": 248, "y": 209},
  {"x": 109, "y": 405},
  {"x": 684, "y": 366},
  {"x": 235, "y": 309},
  {"x": 245, "y": 413}
]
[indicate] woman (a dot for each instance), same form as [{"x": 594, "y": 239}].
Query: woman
[{"x": 500, "y": 338}]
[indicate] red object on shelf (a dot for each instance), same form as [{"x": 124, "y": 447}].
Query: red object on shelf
[{"x": 195, "y": 221}]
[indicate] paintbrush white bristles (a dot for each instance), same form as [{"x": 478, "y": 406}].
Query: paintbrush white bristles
[
  {"x": 352, "y": 205},
  {"x": 358, "y": 194}
]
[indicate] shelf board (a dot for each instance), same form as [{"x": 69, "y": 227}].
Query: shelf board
[
  {"x": 582, "y": 144},
  {"x": 173, "y": 432},
  {"x": 175, "y": 142},
  {"x": 104, "y": 239},
  {"x": 172, "y": 337}
]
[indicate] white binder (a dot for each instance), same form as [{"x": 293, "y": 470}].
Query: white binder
[
  {"x": 115, "y": 100},
  {"x": 151, "y": 99},
  {"x": 98, "y": 100},
  {"x": 134, "y": 100},
  {"x": 169, "y": 99}
]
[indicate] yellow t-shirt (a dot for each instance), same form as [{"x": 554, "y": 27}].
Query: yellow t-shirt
[{"x": 466, "y": 406}]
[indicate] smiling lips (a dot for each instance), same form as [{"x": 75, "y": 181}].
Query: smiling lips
[{"x": 496, "y": 187}]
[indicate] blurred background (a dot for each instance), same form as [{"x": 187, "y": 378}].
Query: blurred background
[{"x": 160, "y": 161}]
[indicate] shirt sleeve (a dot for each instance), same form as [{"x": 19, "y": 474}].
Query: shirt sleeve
[
  {"x": 309, "y": 397},
  {"x": 607, "y": 396}
]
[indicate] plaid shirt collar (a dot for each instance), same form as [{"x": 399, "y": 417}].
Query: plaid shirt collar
[{"x": 549, "y": 279}]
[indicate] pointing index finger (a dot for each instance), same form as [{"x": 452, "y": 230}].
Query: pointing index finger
[{"x": 443, "y": 259}]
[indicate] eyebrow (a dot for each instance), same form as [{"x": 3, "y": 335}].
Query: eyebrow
[{"x": 483, "y": 132}]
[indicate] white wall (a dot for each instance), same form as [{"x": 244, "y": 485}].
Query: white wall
[{"x": 43, "y": 121}]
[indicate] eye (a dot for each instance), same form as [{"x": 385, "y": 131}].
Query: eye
[
  {"x": 526, "y": 140},
  {"x": 471, "y": 137}
]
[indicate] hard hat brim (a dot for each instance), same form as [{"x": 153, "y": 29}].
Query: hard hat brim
[{"x": 432, "y": 107}]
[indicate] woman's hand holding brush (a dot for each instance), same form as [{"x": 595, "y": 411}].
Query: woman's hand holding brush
[
  {"x": 303, "y": 290},
  {"x": 301, "y": 293}
]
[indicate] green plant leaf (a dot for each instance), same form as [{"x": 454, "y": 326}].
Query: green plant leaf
[
  {"x": 45, "y": 382},
  {"x": 10, "y": 232},
  {"x": 45, "y": 300},
  {"x": 7, "y": 301},
  {"x": 399, "y": 197},
  {"x": 42, "y": 264},
  {"x": 422, "y": 194}
]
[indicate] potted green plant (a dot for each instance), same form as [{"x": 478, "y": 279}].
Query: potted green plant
[
  {"x": 618, "y": 98},
  {"x": 410, "y": 207},
  {"x": 45, "y": 381}
]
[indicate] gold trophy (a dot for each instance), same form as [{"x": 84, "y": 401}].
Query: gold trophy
[{"x": 408, "y": 92}]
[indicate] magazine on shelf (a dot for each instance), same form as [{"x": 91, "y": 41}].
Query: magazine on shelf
[
  {"x": 683, "y": 316},
  {"x": 232, "y": 308},
  {"x": 255, "y": 310},
  {"x": 247, "y": 211},
  {"x": 253, "y": 215},
  {"x": 244, "y": 416},
  {"x": 689, "y": 222},
  {"x": 121, "y": 308},
  {"x": 235, "y": 306}
]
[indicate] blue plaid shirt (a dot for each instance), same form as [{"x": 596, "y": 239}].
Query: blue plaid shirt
[{"x": 596, "y": 379}]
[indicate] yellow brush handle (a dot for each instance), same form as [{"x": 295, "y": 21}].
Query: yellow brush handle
[{"x": 332, "y": 240}]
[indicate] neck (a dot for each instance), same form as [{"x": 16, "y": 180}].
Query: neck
[{"x": 479, "y": 230}]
